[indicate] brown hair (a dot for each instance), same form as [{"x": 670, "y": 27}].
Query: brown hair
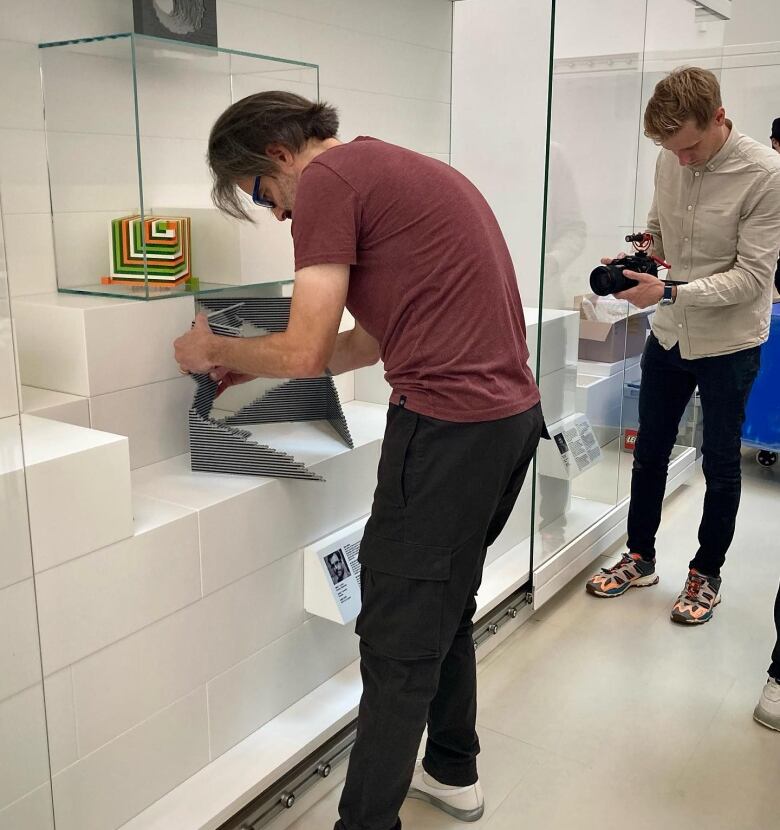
[
  {"x": 686, "y": 93},
  {"x": 241, "y": 135}
]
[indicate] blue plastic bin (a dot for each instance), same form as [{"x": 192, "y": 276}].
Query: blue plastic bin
[{"x": 762, "y": 418}]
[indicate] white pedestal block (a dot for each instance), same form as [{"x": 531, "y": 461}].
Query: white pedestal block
[
  {"x": 331, "y": 575},
  {"x": 95, "y": 600},
  {"x": 370, "y": 385},
  {"x": 94, "y": 345},
  {"x": 9, "y": 404},
  {"x": 605, "y": 370},
  {"x": 241, "y": 700},
  {"x": 78, "y": 483},
  {"x": 34, "y": 810},
  {"x": 15, "y": 559},
  {"x": 152, "y": 416},
  {"x": 56, "y": 406},
  {"x": 110, "y": 786},
  {"x": 600, "y": 397},
  {"x": 23, "y": 761},
  {"x": 19, "y": 654},
  {"x": 559, "y": 391},
  {"x": 560, "y": 338}
]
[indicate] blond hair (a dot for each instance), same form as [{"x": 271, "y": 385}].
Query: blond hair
[{"x": 688, "y": 93}]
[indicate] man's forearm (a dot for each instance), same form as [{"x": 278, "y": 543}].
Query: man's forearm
[
  {"x": 737, "y": 285},
  {"x": 269, "y": 356},
  {"x": 347, "y": 354}
]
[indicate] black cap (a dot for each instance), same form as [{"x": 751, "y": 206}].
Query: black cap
[{"x": 776, "y": 129}]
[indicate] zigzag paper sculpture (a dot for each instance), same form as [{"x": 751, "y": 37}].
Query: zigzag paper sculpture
[
  {"x": 218, "y": 446},
  {"x": 166, "y": 240}
]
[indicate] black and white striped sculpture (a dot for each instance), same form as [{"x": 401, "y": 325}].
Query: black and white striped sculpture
[{"x": 218, "y": 446}]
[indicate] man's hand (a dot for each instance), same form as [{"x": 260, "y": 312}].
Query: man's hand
[
  {"x": 194, "y": 351},
  {"x": 647, "y": 293},
  {"x": 225, "y": 378}
]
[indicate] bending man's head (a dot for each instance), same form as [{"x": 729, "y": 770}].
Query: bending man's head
[{"x": 260, "y": 146}]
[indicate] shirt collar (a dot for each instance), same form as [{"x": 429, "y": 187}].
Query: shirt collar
[{"x": 725, "y": 151}]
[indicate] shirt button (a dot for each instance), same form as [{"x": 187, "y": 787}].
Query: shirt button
[
  {"x": 697, "y": 173},
  {"x": 679, "y": 325},
  {"x": 687, "y": 239},
  {"x": 690, "y": 207}
]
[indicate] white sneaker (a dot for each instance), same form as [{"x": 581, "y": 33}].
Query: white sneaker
[
  {"x": 767, "y": 712},
  {"x": 463, "y": 803}
]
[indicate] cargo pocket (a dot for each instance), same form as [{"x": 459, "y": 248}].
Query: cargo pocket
[{"x": 403, "y": 588}]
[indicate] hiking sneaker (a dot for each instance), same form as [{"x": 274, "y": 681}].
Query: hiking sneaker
[
  {"x": 630, "y": 572},
  {"x": 698, "y": 599},
  {"x": 767, "y": 712},
  {"x": 462, "y": 803}
]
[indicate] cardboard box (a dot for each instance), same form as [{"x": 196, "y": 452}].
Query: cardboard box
[{"x": 612, "y": 342}]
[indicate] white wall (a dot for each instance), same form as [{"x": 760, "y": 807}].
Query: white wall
[
  {"x": 753, "y": 21},
  {"x": 610, "y": 27},
  {"x": 750, "y": 83},
  {"x": 499, "y": 118}
]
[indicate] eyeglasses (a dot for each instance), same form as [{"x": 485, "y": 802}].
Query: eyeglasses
[{"x": 259, "y": 200}]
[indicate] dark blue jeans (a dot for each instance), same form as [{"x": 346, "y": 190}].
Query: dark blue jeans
[{"x": 668, "y": 381}]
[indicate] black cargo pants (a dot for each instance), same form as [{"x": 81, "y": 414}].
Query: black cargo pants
[{"x": 445, "y": 490}]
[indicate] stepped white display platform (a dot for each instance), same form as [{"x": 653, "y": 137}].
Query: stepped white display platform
[
  {"x": 72, "y": 369},
  {"x": 68, "y": 345},
  {"x": 158, "y": 638}
]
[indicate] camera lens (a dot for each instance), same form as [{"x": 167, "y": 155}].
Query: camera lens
[{"x": 601, "y": 281}]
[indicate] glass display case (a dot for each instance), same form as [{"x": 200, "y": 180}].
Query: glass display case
[
  {"x": 562, "y": 159},
  {"x": 127, "y": 119},
  {"x": 600, "y": 186}
]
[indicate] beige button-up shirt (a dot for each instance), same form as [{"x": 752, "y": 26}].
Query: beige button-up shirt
[{"x": 718, "y": 225}]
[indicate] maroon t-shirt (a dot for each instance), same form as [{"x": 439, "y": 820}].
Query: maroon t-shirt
[{"x": 431, "y": 278}]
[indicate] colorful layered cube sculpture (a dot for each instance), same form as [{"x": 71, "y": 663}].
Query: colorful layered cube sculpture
[{"x": 166, "y": 240}]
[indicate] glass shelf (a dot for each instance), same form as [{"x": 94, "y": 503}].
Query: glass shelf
[{"x": 127, "y": 121}]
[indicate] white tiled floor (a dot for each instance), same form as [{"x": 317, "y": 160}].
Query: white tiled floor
[{"x": 603, "y": 714}]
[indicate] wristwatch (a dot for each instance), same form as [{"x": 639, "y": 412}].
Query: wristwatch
[{"x": 668, "y": 297}]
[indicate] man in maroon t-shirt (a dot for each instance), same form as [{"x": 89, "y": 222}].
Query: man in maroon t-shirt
[{"x": 413, "y": 250}]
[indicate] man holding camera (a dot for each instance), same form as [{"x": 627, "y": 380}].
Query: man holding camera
[{"x": 715, "y": 217}]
